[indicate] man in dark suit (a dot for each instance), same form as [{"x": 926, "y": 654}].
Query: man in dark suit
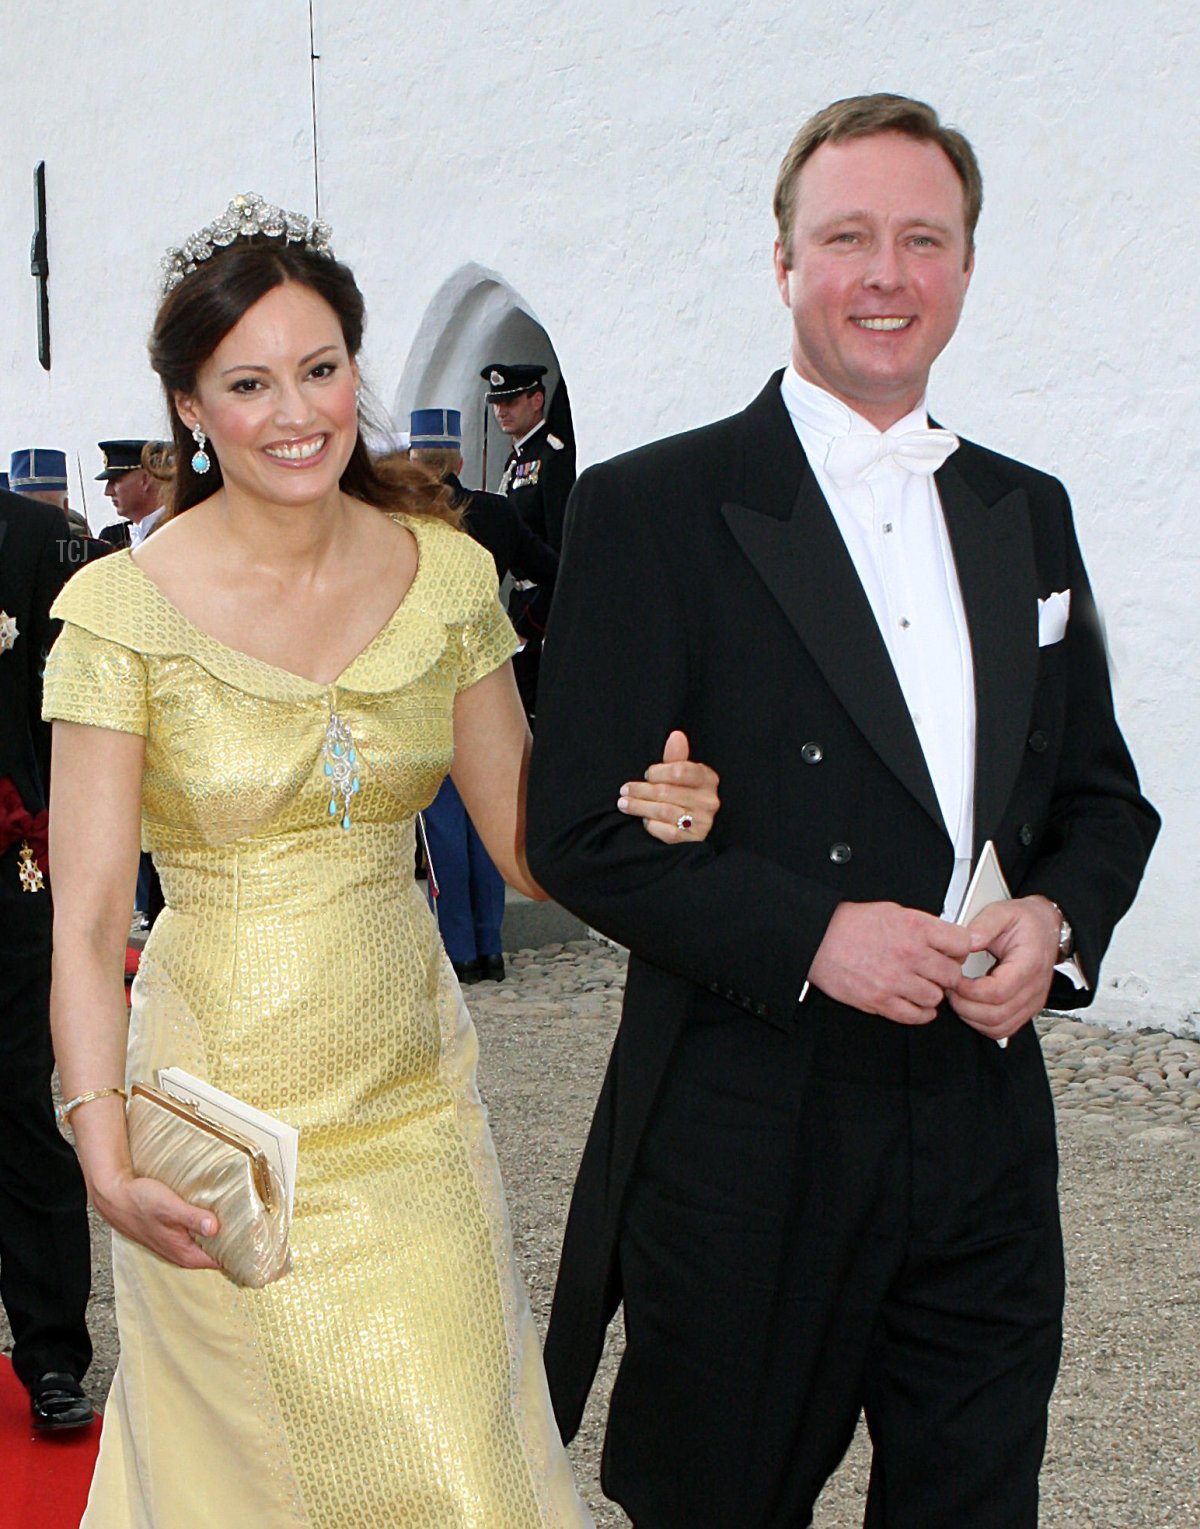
[
  {"x": 45, "y": 1267},
  {"x": 467, "y": 888},
  {"x": 822, "y": 1172},
  {"x": 538, "y": 478}
]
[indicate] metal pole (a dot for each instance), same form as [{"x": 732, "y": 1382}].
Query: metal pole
[{"x": 82, "y": 489}]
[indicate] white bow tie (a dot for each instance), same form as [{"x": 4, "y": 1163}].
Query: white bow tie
[{"x": 852, "y": 458}]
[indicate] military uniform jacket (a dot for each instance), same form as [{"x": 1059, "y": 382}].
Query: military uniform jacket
[
  {"x": 32, "y": 571},
  {"x": 538, "y": 481},
  {"x": 493, "y": 522},
  {"x": 706, "y": 586},
  {"x": 117, "y": 535}
]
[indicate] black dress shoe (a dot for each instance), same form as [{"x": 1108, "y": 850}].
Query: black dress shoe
[
  {"x": 57, "y": 1401},
  {"x": 491, "y": 968},
  {"x": 467, "y": 972}
]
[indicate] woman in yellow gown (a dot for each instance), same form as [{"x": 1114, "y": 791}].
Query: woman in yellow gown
[{"x": 267, "y": 694}]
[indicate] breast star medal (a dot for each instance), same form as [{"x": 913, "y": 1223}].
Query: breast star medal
[{"x": 8, "y": 631}]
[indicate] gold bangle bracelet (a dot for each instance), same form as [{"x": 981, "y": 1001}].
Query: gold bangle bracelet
[{"x": 64, "y": 1110}]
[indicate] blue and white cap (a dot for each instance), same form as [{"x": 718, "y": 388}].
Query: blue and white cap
[
  {"x": 436, "y": 428},
  {"x": 37, "y": 469}
]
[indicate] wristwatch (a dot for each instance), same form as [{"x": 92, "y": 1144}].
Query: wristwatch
[{"x": 1066, "y": 935}]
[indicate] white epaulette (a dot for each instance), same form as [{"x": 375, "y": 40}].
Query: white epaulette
[{"x": 553, "y": 440}]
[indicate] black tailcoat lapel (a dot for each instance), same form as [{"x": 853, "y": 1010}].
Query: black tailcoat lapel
[
  {"x": 790, "y": 536},
  {"x": 993, "y": 554},
  {"x": 793, "y": 542}
]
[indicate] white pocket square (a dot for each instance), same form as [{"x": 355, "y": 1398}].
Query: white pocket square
[{"x": 1053, "y": 612}]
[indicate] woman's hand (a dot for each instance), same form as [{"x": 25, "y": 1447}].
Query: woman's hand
[
  {"x": 678, "y": 799},
  {"x": 147, "y": 1212}
]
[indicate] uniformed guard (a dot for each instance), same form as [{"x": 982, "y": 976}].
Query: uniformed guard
[
  {"x": 537, "y": 475},
  {"x": 538, "y": 479},
  {"x": 467, "y": 888},
  {"x": 41, "y": 473},
  {"x": 136, "y": 493},
  {"x": 137, "y": 496}
]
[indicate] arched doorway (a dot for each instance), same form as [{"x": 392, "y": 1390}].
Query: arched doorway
[{"x": 476, "y": 317}]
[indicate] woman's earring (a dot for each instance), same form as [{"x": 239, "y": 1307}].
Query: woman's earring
[{"x": 201, "y": 461}]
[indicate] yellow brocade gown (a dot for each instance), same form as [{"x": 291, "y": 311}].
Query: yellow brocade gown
[{"x": 394, "y": 1377}]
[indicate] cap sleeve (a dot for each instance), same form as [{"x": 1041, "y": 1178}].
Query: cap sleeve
[
  {"x": 96, "y": 681},
  {"x": 487, "y": 642},
  {"x": 486, "y": 635}
]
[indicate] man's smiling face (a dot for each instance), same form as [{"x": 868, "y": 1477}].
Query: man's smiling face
[{"x": 878, "y": 272}]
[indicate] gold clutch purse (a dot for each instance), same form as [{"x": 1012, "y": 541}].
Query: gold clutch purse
[{"x": 209, "y": 1165}]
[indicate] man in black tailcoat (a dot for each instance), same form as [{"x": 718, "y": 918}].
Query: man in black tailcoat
[
  {"x": 538, "y": 478},
  {"x": 822, "y": 1171},
  {"x": 45, "y": 1267}
]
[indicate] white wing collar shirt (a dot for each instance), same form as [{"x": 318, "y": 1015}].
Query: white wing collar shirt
[{"x": 880, "y": 489}]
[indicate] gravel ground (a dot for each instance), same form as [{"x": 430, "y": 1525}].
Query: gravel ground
[{"x": 1126, "y": 1414}]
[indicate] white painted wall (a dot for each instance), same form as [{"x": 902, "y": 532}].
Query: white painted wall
[{"x": 612, "y": 165}]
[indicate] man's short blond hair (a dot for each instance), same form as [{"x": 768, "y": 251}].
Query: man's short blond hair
[{"x": 863, "y": 117}]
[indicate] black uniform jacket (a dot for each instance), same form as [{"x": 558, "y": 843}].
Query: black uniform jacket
[
  {"x": 538, "y": 480},
  {"x": 493, "y": 522},
  {"x": 706, "y": 586},
  {"x": 117, "y": 535},
  {"x": 32, "y": 571}
]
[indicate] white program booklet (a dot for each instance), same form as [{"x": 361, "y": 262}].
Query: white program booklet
[
  {"x": 987, "y": 886},
  {"x": 277, "y": 1140}
]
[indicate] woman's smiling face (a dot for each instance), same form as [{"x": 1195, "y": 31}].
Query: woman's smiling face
[{"x": 278, "y": 399}]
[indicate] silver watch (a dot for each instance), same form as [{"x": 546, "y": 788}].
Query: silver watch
[{"x": 1066, "y": 935}]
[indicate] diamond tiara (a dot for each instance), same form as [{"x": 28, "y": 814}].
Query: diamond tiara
[{"x": 245, "y": 217}]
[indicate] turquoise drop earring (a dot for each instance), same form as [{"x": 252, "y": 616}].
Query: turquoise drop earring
[{"x": 201, "y": 461}]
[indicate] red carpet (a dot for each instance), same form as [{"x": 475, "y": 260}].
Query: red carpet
[{"x": 44, "y": 1478}]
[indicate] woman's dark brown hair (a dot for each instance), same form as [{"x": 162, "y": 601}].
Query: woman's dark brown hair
[{"x": 196, "y": 316}]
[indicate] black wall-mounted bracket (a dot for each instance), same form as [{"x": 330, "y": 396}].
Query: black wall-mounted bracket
[{"x": 39, "y": 263}]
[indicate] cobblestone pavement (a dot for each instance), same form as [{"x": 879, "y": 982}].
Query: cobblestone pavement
[
  {"x": 1126, "y": 1414},
  {"x": 1143, "y": 1081}
]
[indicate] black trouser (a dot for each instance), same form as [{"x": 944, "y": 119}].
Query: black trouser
[
  {"x": 864, "y": 1217},
  {"x": 45, "y": 1260}
]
